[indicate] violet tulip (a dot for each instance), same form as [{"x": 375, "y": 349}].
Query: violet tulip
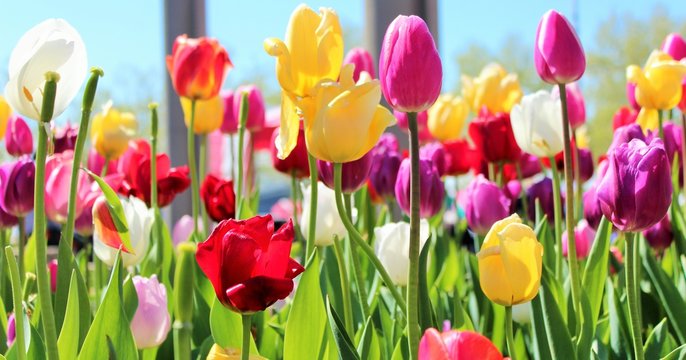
[
  {"x": 542, "y": 191},
  {"x": 57, "y": 179},
  {"x": 435, "y": 153},
  {"x": 387, "y": 142},
  {"x": 675, "y": 46},
  {"x": 410, "y": 67},
  {"x": 660, "y": 235},
  {"x": 7, "y": 221},
  {"x": 18, "y": 138},
  {"x": 485, "y": 203},
  {"x": 636, "y": 191},
  {"x": 558, "y": 54},
  {"x": 354, "y": 174},
  {"x": 422, "y": 124},
  {"x": 592, "y": 212},
  {"x": 65, "y": 137},
  {"x": 230, "y": 121},
  {"x": 432, "y": 191},
  {"x": 585, "y": 162},
  {"x": 583, "y": 238},
  {"x": 256, "y": 111},
  {"x": 673, "y": 139},
  {"x": 625, "y": 134},
  {"x": 362, "y": 60},
  {"x": 576, "y": 105},
  {"x": 11, "y": 330},
  {"x": 384, "y": 172},
  {"x": 16, "y": 186},
  {"x": 151, "y": 321}
]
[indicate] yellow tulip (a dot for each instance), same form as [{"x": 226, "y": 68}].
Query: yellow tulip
[
  {"x": 218, "y": 353},
  {"x": 510, "y": 262},
  {"x": 447, "y": 117},
  {"x": 5, "y": 112},
  {"x": 111, "y": 131},
  {"x": 494, "y": 88},
  {"x": 658, "y": 86},
  {"x": 312, "y": 52},
  {"x": 209, "y": 114},
  {"x": 582, "y": 138},
  {"x": 344, "y": 120}
]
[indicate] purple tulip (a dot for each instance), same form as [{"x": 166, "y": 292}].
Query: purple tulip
[
  {"x": 673, "y": 139},
  {"x": 354, "y": 174},
  {"x": 65, "y": 138},
  {"x": 6, "y": 220},
  {"x": 484, "y": 203},
  {"x": 362, "y": 60},
  {"x": 230, "y": 122},
  {"x": 625, "y": 134},
  {"x": 256, "y": 112},
  {"x": 576, "y": 106},
  {"x": 384, "y": 171},
  {"x": 435, "y": 153},
  {"x": 432, "y": 191},
  {"x": 636, "y": 191},
  {"x": 387, "y": 142},
  {"x": 558, "y": 54},
  {"x": 151, "y": 322},
  {"x": 16, "y": 184},
  {"x": 585, "y": 164},
  {"x": 583, "y": 238},
  {"x": 631, "y": 96},
  {"x": 592, "y": 212},
  {"x": 11, "y": 330},
  {"x": 660, "y": 235},
  {"x": 675, "y": 46},
  {"x": 18, "y": 137},
  {"x": 542, "y": 191},
  {"x": 410, "y": 68}
]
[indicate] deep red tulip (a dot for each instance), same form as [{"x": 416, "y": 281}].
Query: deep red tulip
[
  {"x": 296, "y": 162},
  {"x": 219, "y": 198},
  {"x": 197, "y": 67},
  {"x": 493, "y": 136},
  {"x": 65, "y": 138},
  {"x": 460, "y": 157},
  {"x": 623, "y": 116}
]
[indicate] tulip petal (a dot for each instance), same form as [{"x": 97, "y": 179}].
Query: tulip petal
[
  {"x": 275, "y": 261},
  {"x": 521, "y": 255},
  {"x": 258, "y": 293},
  {"x": 289, "y": 126},
  {"x": 431, "y": 347}
]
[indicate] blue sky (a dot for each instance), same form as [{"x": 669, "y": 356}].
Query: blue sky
[{"x": 125, "y": 37}]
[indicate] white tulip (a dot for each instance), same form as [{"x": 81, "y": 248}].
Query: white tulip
[
  {"x": 537, "y": 124},
  {"x": 52, "y": 45},
  {"x": 393, "y": 248},
  {"x": 140, "y": 220},
  {"x": 329, "y": 224}
]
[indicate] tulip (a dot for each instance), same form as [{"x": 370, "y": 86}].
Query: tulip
[
  {"x": 493, "y": 136},
  {"x": 674, "y": 46},
  {"x": 255, "y": 117},
  {"x": 229, "y": 121},
  {"x": 422, "y": 124},
  {"x": 510, "y": 262},
  {"x": 384, "y": 172},
  {"x": 52, "y": 268},
  {"x": 636, "y": 191},
  {"x": 528, "y": 164},
  {"x": 16, "y": 187},
  {"x": 542, "y": 191},
  {"x": 58, "y": 168},
  {"x": 151, "y": 321},
  {"x": 447, "y": 117},
  {"x": 585, "y": 163},
  {"x": 537, "y": 124},
  {"x": 5, "y": 112},
  {"x": 387, "y": 142},
  {"x": 576, "y": 106},
  {"x": 183, "y": 229},
  {"x": 484, "y": 204},
  {"x": 660, "y": 235},
  {"x": 435, "y": 153},
  {"x": 296, "y": 163},
  {"x": 84, "y": 222},
  {"x": 672, "y": 139},
  {"x": 658, "y": 86},
  {"x": 65, "y": 138},
  {"x": 248, "y": 263},
  {"x": 392, "y": 248},
  {"x": 106, "y": 240},
  {"x": 592, "y": 212},
  {"x": 623, "y": 116},
  {"x": 197, "y": 67},
  {"x": 431, "y": 188},
  {"x": 344, "y": 120},
  {"x": 7, "y": 221},
  {"x": 209, "y": 114},
  {"x": 96, "y": 162},
  {"x": 18, "y": 138},
  {"x": 11, "y": 330},
  {"x": 494, "y": 89},
  {"x": 631, "y": 96},
  {"x": 263, "y": 137},
  {"x": 456, "y": 345},
  {"x": 52, "y": 45},
  {"x": 219, "y": 198},
  {"x": 682, "y": 103},
  {"x": 584, "y": 235},
  {"x": 460, "y": 157},
  {"x": 410, "y": 68},
  {"x": 558, "y": 54},
  {"x": 111, "y": 131},
  {"x": 625, "y": 134},
  {"x": 354, "y": 174},
  {"x": 362, "y": 60},
  {"x": 329, "y": 225}
]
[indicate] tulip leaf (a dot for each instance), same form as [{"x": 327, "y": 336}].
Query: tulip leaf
[
  {"x": 116, "y": 211},
  {"x": 427, "y": 318},
  {"x": 678, "y": 353},
  {"x": 679, "y": 226},
  {"x": 227, "y": 328},
  {"x": 585, "y": 340},
  {"x": 559, "y": 340},
  {"x": 305, "y": 328},
  {"x": 201, "y": 318},
  {"x": 595, "y": 272},
  {"x": 36, "y": 348},
  {"x": 110, "y": 322},
  {"x": 130, "y": 297},
  {"x": 402, "y": 349},
  {"x": 30, "y": 254},
  {"x": 368, "y": 348},
  {"x": 655, "y": 342},
  {"x": 68, "y": 342},
  {"x": 346, "y": 349},
  {"x": 619, "y": 326}
]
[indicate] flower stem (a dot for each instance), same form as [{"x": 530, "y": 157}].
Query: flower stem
[
  {"x": 577, "y": 175},
  {"x": 509, "y": 333},
  {"x": 233, "y": 158},
  {"x": 203, "y": 171},
  {"x": 413, "y": 276},
  {"x": 633, "y": 294},
  {"x": 311, "y": 231},
  {"x": 660, "y": 115},
  {"x": 294, "y": 201},
  {"x": 21, "y": 224},
  {"x": 345, "y": 287},
  {"x": 357, "y": 238},
  {"x": 557, "y": 206},
  {"x": 157, "y": 226},
  {"x": 17, "y": 300},
  {"x": 195, "y": 192},
  {"x": 683, "y": 148},
  {"x": 357, "y": 268},
  {"x": 525, "y": 201},
  {"x": 243, "y": 117},
  {"x": 569, "y": 183},
  {"x": 247, "y": 327}
]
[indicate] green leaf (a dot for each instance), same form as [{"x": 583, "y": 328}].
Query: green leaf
[
  {"x": 585, "y": 340},
  {"x": 130, "y": 298},
  {"x": 401, "y": 350},
  {"x": 678, "y": 353},
  {"x": 307, "y": 320},
  {"x": 368, "y": 347},
  {"x": 427, "y": 318},
  {"x": 559, "y": 340},
  {"x": 68, "y": 342},
  {"x": 30, "y": 254},
  {"x": 596, "y": 269},
  {"x": 227, "y": 328},
  {"x": 110, "y": 322},
  {"x": 656, "y": 340},
  {"x": 346, "y": 349},
  {"x": 619, "y": 324},
  {"x": 116, "y": 211},
  {"x": 35, "y": 344},
  {"x": 201, "y": 318}
]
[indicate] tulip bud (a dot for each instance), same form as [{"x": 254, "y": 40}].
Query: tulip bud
[
  {"x": 151, "y": 322},
  {"x": 263, "y": 138},
  {"x": 384, "y": 172},
  {"x": 11, "y": 330},
  {"x": 447, "y": 117},
  {"x": 410, "y": 68},
  {"x": 256, "y": 116},
  {"x": 229, "y": 121},
  {"x": 432, "y": 191},
  {"x": 58, "y": 170},
  {"x": 675, "y": 46},
  {"x": 17, "y": 186},
  {"x": 18, "y": 138},
  {"x": 7, "y": 221},
  {"x": 52, "y": 267},
  {"x": 329, "y": 224},
  {"x": 558, "y": 54},
  {"x": 219, "y": 198},
  {"x": 354, "y": 174},
  {"x": 184, "y": 276},
  {"x": 583, "y": 238},
  {"x": 493, "y": 136},
  {"x": 362, "y": 60},
  {"x": 388, "y": 142},
  {"x": 537, "y": 124},
  {"x": 435, "y": 153},
  {"x": 392, "y": 248},
  {"x": 623, "y": 116},
  {"x": 576, "y": 106},
  {"x": 592, "y": 212},
  {"x": 484, "y": 204},
  {"x": 542, "y": 191},
  {"x": 197, "y": 67},
  {"x": 672, "y": 139},
  {"x": 209, "y": 114},
  {"x": 460, "y": 157},
  {"x": 111, "y": 131},
  {"x": 65, "y": 138},
  {"x": 660, "y": 235},
  {"x": 422, "y": 124},
  {"x": 454, "y": 344},
  {"x": 494, "y": 90},
  {"x": 106, "y": 240},
  {"x": 296, "y": 163}
]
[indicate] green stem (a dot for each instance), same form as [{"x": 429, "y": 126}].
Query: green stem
[
  {"x": 294, "y": 200},
  {"x": 357, "y": 268},
  {"x": 247, "y": 327},
  {"x": 683, "y": 149},
  {"x": 203, "y": 171},
  {"x": 557, "y": 217},
  {"x": 243, "y": 117},
  {"x": 357, "y": 238},
  {"x": 233, "y": 158},
  {"x": 18, "y": 304},
  {"x": 195, "y": 192},
  {"x": 157, "y": 226},
  {"x": 3, "y": 263},
  {"x": 577, "y": 175},
  {"x": 525, "y": 201},
  {"x": 314, "y": 187},
  {"x": 632, "y": 294},
  {"x": 660, "y": 115},
  {"x": 569, "y": 182},
  {"x": 414, "y": 331},
  {"x": 509, "y": 333},
  {"x": 21, "y": 224},
  {"x": 345, "y": 287}
]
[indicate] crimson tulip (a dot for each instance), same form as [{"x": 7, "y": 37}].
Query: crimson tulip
[
  {"x": 460, "y": 157},
  {"x": 623, "y": 116},
  {"x": 295, "y": 163},
  {"x": 65, "y": 138},
  {"x": 493, "y": 136},
  {"x": 197, "y": 67},
  {"x": 219, "y": 198}
]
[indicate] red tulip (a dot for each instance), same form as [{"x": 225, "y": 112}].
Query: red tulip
[
  {"x": 459, "y": 156},
  {"x": 456, "y": 345},
  {"x": 248, "y": 263},
  {"x": 219, "y": 198},
  {"x": 229, "y": 122},
  {"x": 623, "y": 116},
  {"x": 296, "y": 162},
  {"x": 197, "y": 67},
  {"x": 493, "y": 136}
]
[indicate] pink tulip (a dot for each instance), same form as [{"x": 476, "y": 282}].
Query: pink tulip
[
  {"x": 52, "y": 267},
  {"x": 631, "y": 96},
  {"x": 183, "y": 229},
  {"x": 263, "y": 136},
  {"x": 362, "y": 60},
  {"x": 576, "y": 106},
  {"x": 96, "y": 162},
  {"x": 256, "y": 116},
  {"x": 11, "y": 330},
  {"x": 18, "y": 138},
  {"x": 215, "y": 153},
  {"x": 675, "y": 46},
  {"x": 456, "y": 345},
  {"x": 58, "y": 175},
  {"x": 151, "y": 322},
  {"x": 558, "y": 54},
  {"x": 410, "y": 68},
  {"x": 230, "y": 122},
  {"x": 583, "y": 237}
]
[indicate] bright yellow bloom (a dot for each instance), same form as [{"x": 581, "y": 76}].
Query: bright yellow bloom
[
  {"x": 5, "y": 112},
  {"x": 344, "y": 120},
  {"x": 582, "y": 138},
  {"x": 447, "y": 117},
  {"x": 658, "y": 86},
  {"x": 208, "y": 114},
  {"x": 312, "y": 52},
  {"x": 494, "y": 88},
  {"x": 510, "y": 262},
  {"x": 218, "y": 353},
  {"x": 111, "y": 131}
]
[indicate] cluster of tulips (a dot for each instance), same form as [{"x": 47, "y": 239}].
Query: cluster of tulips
[{"x": 378, "y": 253}]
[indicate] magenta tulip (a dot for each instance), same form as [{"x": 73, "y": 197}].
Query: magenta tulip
[
  {"x": 11, "y": 330},
  {"x": 96, "y": 162},
  {"x": 18, "y": 137},
  {"x": 558, "y": 54},
  {"x": 435, "y": 153},
  {"x": 576, "y": 106},
  {"x": 58, "y": 175},
  {"x": 660, "y": 235},
  {"x": 484, "y": 204},
  {"x": 362, "y": 60},
  {"x": 592, "y": 212},
  {"x": 65, "y": 137},
  {"x": 256, "y": 112},
  {"x": 16, "y": 186},
  {"x": 52, "y": 269},
  {"x": 230, "y": 122},
  {"x": 675, "y": 46},
  {"x": 583, "y": 238},
  {"x": 432, "y": 191},
  {"x": 631, "y": 96},
  {"x": 542, "y": 191},
  {"x": 456, "y": 345},
  {"x": 151, "y": 322},
  {"x": 354, "y": 174},
  {"x": 624, "y": 134}
]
